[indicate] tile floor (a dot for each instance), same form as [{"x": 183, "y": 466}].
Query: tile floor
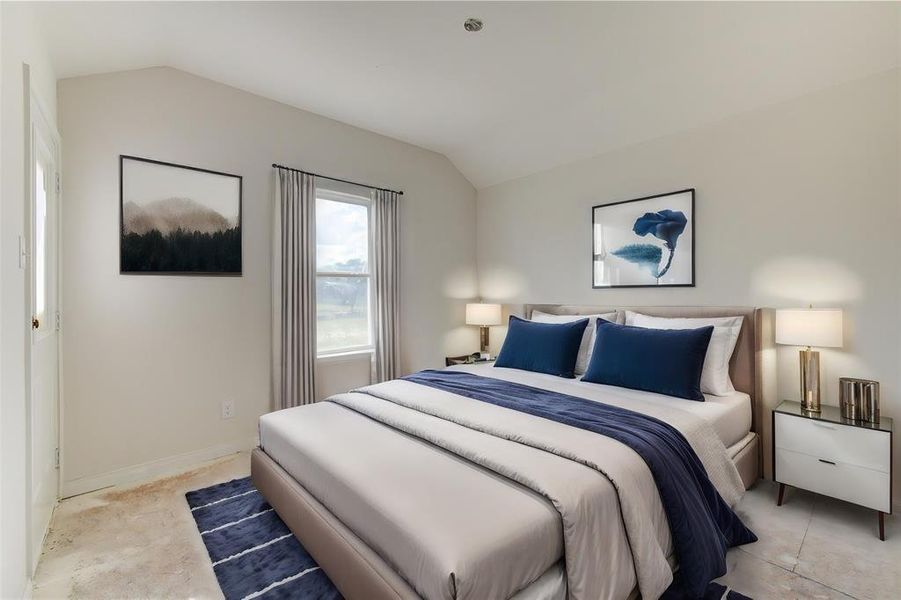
[
  {"x": 140, "y": 542},
  {"x": 814, "y": 547}
]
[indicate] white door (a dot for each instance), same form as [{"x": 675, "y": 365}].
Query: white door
[{"x": 44, "y": 269}]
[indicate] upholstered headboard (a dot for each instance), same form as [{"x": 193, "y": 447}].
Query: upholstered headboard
[{"x": 745, "y": 368}]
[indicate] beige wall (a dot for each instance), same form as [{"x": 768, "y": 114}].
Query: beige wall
[
  {"x": 795, "y": 203},
  {"x": 147, "y": 359},
  {"x": 21, "y": 45}
]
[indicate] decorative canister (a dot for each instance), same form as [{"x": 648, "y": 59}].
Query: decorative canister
[
  {"x": 869, "y": 402},
  {"x": 859, "y": 399},
  {"x": 849, "y": 398}
]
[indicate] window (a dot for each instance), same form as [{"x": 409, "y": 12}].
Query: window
[
  {"x": 43, "y": 243},
  {"x": 343, "y": 322},
  {"x": 40, "y": 242}
]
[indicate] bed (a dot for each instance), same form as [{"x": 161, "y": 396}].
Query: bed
[{"x": 397, "y": 496}]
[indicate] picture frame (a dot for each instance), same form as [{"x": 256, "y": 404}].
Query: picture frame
[
  {"x": 644, "y": 242},
  {"x": 177, "y": 219}
]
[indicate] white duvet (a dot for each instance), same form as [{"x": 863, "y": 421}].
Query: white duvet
[{"x": 608, "y": 511}]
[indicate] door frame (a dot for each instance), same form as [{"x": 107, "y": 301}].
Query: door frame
[{"x": 37, "y": 123}]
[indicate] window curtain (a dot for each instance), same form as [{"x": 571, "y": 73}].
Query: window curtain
[
  {"x": 294, "y": 289},
  {"x": 385, "y": 285}
]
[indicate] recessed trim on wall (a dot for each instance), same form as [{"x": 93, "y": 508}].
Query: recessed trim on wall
[
  {"x": 661, "y": 216},
  {"x": 196, "y": 220}
]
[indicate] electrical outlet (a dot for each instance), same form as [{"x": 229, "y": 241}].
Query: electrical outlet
[{"x": 228, "y": 409}]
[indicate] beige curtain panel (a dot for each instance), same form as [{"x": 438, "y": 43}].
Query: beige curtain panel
[
  {"x": 386, "y": 285},
  {"x": 294, "y": 290}
]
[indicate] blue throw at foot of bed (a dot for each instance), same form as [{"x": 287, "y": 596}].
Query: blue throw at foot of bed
[
  {"x": 254, "y": 555},
  {"x": 703, "y": 526}
]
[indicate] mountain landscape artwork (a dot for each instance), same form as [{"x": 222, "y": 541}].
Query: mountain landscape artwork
[
  {"x": 646, "y": 242},
  {"x": 178, "y": 220}
]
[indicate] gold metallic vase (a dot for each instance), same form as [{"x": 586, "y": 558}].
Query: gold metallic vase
[
  {"x": 859, "y": 399},
  {"x": 810, "y": 380}
]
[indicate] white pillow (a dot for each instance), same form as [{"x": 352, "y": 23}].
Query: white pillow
[
  {"x": 587, "y": 346},
  {"x": 715, "y": 374}
]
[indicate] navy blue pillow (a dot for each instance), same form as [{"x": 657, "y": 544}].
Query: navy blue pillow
[
  {"x": 542, "y": 347},
  {"x": 666, "y": 361}
]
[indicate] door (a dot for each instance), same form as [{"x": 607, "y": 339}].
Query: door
[{"x": 44, "y": 275}]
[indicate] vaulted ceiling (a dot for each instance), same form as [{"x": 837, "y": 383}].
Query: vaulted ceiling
[{"x": 543, "y": 84}]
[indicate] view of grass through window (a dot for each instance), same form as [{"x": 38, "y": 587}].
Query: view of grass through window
[{"x": 342, "y": 279}]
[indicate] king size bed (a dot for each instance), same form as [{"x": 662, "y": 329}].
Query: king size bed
[{"x": 487, "y": 482}]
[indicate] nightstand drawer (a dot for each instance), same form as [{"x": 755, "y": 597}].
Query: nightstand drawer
[
  {"x": 865, "y": 487},
  {"x": 845, "y": 444}
]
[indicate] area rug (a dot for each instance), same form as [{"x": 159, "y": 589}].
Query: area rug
[
  {"x": 255, "y": 555},
  {"x": 253, "y": 552}
]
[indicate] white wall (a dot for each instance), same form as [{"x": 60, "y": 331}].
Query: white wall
[
  {"x": 796, "y": 202},
  {"x": 21, "y": 44},
  {"x": 148, "y": 359}
]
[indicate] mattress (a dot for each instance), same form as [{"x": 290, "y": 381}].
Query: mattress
[
  {"x": 453, "y": 517},
  {"x": 730, "y": 416}
]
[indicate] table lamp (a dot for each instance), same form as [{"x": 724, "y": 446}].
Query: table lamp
[
  {"x": 483, "y": 315},
  {"x": 819, "y": 327}
]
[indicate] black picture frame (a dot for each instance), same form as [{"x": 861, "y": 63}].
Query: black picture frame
[
  {"x": 653, "y": 199},
  {"x": 126, "y": 255}
]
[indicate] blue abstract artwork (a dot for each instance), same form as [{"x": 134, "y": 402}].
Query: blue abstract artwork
[{"x": 644, "y": 242}]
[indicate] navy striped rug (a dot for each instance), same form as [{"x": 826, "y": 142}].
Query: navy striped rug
[
  {"x": 253, "y": 552},
  {"x": 255, "y": 555}
]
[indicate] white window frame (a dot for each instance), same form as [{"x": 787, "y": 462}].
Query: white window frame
[{"x": 336, "y": 193}]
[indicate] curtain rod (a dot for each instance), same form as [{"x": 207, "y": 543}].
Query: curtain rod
[{"x": 277, "y": 166}]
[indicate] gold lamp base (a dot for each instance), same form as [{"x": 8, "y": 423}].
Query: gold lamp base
[
  {"x": 810, "y": 380},
  {"x": 483, "y": 338}
]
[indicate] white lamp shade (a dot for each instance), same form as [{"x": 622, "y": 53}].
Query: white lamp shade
[
  {"x": 809, "y": 327},
  {"x": 483, "y": 314}
]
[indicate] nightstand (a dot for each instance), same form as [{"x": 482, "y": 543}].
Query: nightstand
[
  {"x": 466, "y": 359},
  {"x": 824, "y": 453}
]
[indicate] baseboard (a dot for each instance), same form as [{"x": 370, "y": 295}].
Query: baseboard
[{"x": 153, "y": 469}]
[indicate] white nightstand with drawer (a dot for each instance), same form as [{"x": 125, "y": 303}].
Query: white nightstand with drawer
[{"x": 824, "y": 453}]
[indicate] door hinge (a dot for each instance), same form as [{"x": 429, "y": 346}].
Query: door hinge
[
  {"x": 59, "y": 321},
  {"x": 57, "y": 183},
  {"x": 56, "y": 459}
]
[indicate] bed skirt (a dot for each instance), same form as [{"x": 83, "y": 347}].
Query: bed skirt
[{"x": 748, "y": 461}]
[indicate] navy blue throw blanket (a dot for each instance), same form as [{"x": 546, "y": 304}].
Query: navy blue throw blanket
[{"x": 702, "y": 524}]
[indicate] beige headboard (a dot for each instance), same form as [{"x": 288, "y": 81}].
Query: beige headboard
[{"x": 745, "y": 367}]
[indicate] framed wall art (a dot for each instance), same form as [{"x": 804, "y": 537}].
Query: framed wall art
[
  {"x": 645, "y": 242},
  {"x": 178, "y": 220}
]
